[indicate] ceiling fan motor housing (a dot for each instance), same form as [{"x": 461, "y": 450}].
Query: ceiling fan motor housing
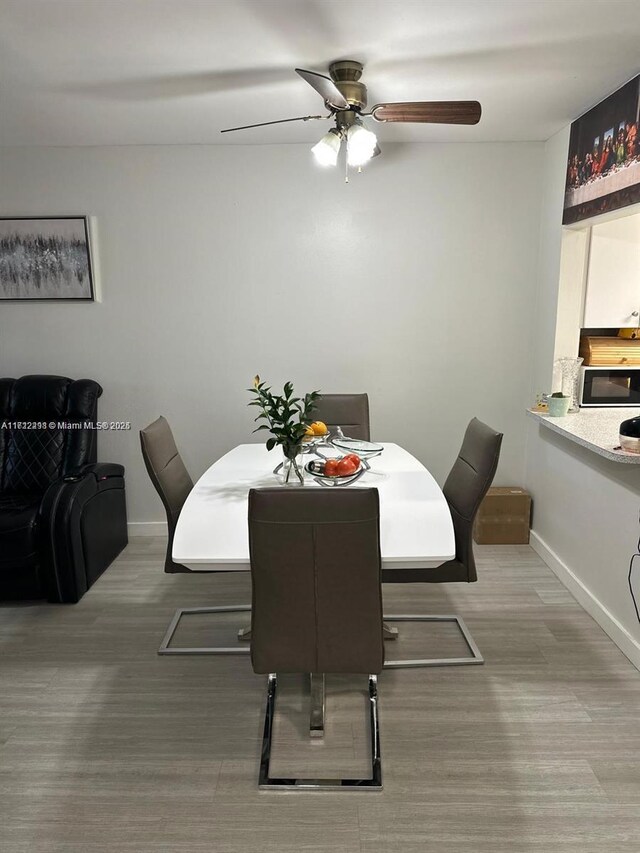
[{"x": 346, "y": 75}]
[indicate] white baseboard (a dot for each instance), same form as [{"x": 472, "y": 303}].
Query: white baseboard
[
  {"x": 594, "y": 607},
  {"x": 147, "y": 528}
]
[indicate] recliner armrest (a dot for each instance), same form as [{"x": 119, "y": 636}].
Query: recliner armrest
[
  {"x": 100, "y": 470},
  {"x": 82, "y": 525}
]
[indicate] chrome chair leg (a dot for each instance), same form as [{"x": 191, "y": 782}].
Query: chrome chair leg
[
  {"x": 316, "y": 716},
  {"x": 282, "y": 783},
  {"x": 476, "y": 657},
  {"x": 166, "y": 649},
  {"x": 389, "y": 633}
]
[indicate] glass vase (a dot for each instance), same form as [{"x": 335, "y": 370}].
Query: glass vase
[
  {"x": 570, "y": 368},
  {"x": 290, "y": 472}
]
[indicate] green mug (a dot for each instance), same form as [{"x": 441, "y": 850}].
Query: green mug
[{"x": 558, "y": 406}]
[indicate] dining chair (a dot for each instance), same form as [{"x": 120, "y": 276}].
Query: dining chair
[
  {"x": 348, "y": 411},
  {"x": 465, "y": 487},
  {"x": 173, "y": 484},
  {"x": 316, "y": 603}
]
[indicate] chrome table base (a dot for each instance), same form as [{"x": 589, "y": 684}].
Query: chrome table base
[
  {"x": 476, "y": 657},
  {"x": 317, "y": 716},
  {"x": 166, "y": 649}
]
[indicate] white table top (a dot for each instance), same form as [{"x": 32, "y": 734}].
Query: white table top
[{"x": 416, "y": 530}]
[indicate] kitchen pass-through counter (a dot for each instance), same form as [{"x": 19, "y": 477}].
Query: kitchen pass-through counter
[{"x": 596, "y": 429}]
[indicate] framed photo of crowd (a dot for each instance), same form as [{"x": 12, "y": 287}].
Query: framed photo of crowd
[{"x": 603, "y": 169}]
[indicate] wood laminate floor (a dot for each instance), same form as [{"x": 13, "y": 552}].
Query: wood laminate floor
[{"x": 104, "y": 746}]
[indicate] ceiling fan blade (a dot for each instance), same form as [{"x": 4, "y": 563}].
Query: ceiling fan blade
[
  {"x": 278, "y": 121},
  {"x": 325, "y": 87},
  {"x": 435, "y": 112}
]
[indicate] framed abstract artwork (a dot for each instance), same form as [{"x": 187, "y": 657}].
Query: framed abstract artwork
[
  {"x": 45, "y": 258},
  {"x": 603, "y": 169}
]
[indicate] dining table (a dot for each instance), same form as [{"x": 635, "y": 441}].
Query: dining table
[{"x": 416, "y": 528}]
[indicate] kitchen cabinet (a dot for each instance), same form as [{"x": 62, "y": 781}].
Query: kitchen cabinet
[{"x": 612, "y": 297}]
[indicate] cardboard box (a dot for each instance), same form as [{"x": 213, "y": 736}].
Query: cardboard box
[{"x": 504, "y": 517}]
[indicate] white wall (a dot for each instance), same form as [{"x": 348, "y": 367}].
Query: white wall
[
  {"x": 415, "y": 282},
  {"x": 550, "y": 228},
  {"x": 585, "y": 526},
  {"x": 585, "y": 508}
]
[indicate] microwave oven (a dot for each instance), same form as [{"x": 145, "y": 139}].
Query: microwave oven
[{"x": 610, "y": 385}]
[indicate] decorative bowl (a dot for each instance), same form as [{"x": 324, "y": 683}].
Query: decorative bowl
[
  {"x": 358, "y": 445},
  {"x": 310, "y": 441},
  {"x": 312, "y": 468}
]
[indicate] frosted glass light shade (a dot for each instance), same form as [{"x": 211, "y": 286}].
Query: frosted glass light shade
[
  {"x": 326, "y": 151},
  {"x": 361, "y": 144}
]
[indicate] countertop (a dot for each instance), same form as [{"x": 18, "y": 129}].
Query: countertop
[{"x": 595, "y": 429}]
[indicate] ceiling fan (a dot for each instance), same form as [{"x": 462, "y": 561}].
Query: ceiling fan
[{"x": 346, "y": 99}]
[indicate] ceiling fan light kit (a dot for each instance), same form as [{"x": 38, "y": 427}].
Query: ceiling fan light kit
[
  {"x": 346, "y": 97},
  {"x": 326, "y": 151},
  {"x": 361, "y": 144}
]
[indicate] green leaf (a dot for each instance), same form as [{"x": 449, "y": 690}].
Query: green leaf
[{"x": 286, "y": 416}]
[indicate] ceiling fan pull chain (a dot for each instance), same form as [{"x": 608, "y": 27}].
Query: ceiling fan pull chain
[{"x": 346, "y": 161}]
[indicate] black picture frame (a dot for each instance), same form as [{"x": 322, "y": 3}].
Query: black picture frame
[
  {"x": 71, "y": 248},
  {"x": 598, "y": 180}
]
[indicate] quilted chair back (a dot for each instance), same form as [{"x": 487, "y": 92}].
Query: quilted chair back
[{"x": 44, "y": 433}]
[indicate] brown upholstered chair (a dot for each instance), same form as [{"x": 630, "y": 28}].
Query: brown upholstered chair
[
  {"x": 169, "y": 476},
  {"x": 173, "y": 484},
  {"x": 465, "y": 487},
  {"x": 316, "y": 600},
  {"x": 348, "y": 411}
]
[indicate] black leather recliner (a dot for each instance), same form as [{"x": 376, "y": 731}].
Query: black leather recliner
[{"x": 62, "y": 515}]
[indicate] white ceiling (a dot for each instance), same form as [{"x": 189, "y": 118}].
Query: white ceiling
[{"x": 104, "y": 72}]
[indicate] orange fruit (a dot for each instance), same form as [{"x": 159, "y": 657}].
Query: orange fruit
[{"x": 319, "y": 428}]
